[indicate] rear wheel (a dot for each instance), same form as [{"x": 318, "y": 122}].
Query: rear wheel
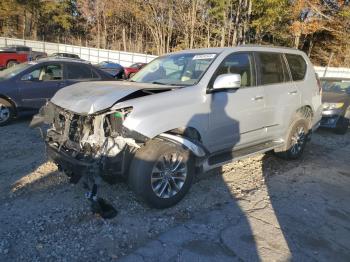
[
  {"x": 161, "y": 173},
  {"x": 6, "y": 112},
  {"x": 11, "y": 64},
  {"x": 296, "y": 139}
]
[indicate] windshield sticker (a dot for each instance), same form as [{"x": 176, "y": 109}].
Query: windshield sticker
[{"x": 205, "y": 56}]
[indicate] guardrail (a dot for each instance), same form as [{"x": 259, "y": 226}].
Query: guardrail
[
  {"x": 333, "y": 72},
  {"x": 94, "y": 55}
]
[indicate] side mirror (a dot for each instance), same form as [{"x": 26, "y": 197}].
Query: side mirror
[{"x": 227, "y": 81}]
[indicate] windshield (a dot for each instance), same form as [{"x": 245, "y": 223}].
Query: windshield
[
  {"x": 13, "y": 71},
  {"x": 177, "y": 69},
  {"x": 336, "y": 86}
]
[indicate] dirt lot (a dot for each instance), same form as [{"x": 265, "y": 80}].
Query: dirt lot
[{"x": 259, "y": 208}]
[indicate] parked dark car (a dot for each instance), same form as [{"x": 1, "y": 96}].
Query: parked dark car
[
  {"x": 64, "y": 55},
  {"x": 26, "y": 87},
  {"x": 114, "y": 69},
  {"x": 336, "y": 105},
  {"x": 133, "y": 69}
]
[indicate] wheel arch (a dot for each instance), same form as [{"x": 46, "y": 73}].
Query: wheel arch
[
  {"x": 307, "y": 112},
  {"x": 13, "y": 103}
]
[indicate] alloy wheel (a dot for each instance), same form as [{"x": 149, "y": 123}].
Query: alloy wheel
[
  {"x": 168, "y": 175},
  {"x": 4, "y": 113},
  {"x": 298, "y": 140}
]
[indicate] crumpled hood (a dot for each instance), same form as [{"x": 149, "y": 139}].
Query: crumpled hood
[{"x": 91, "y": 97}]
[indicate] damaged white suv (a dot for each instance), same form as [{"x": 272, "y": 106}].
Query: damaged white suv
[{"x": 184, "y": 113}]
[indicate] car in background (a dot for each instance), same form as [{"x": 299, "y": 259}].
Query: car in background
[
  {"x": 65, "y": 55},
  {"x": 114, "y": 69},
  {"x": 133, "y": 69},
  {"x": 21, "y": 49},
  {"x": 10, "y": 59},
  {"x": 26, "y": 87},
  {"x": 336, "y": 104}
]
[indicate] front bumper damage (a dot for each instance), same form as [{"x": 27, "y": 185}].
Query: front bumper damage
[
  {"x": 94, "y": 143},
  {"x": 90, "y": 146}
]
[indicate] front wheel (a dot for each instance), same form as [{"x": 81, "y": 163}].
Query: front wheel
[{"x": 161, "y": 173}]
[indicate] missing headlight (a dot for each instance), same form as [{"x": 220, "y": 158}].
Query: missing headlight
[{"x": 113, "y": 124}]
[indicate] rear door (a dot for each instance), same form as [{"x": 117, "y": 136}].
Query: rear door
[
  {"x": 237, "y": 115},
  {"x": 282, "y": 97}
]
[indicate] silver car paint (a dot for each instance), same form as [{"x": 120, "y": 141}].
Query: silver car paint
[{"x": 241, "y": 122}]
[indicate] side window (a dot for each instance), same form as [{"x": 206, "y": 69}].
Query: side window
[
  {"x": 297, "y": 66},
  {"x": 45, "y": 73},
  {"x": 271, "y": 68},
  {"x": 78, "y": 71},
  {"x": 52, "y": 72},
  {"x": 239, "y": 63}
]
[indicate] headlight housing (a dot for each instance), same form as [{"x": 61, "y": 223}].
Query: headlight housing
[
  {"x": 113, "y": 123},
  {"x": 330, "y": 106}
]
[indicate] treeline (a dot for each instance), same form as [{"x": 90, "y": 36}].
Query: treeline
[{"x": 319, "y": 27}]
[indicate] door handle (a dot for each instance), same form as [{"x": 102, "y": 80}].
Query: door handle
[
  {"x": 293, "y": 92},
  {"x": 257, "y": 98}
]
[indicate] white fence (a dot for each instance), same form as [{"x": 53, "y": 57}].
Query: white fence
[{"x": 94, "y": 55}]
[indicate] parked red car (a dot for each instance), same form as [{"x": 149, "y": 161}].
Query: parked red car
[{"x": 133, "y": 69}]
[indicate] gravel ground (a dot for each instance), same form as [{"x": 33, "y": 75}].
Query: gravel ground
[{"x": 44, "y": 218}]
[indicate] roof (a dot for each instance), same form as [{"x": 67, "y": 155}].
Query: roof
[
  {"x": 63, "y": 59},
  {"x": 243, "y": 47}
]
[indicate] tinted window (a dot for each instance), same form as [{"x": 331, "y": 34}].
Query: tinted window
[
  {"x": 297, "y": 66},
  {"x": 23, "y": 48},
  {"x": 239, "y": 64},
  {"x": 271, "y": 68},
  {"x": 79, "y": 71}
]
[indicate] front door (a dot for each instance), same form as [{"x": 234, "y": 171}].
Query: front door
[
  {"x": 40, "y": 85},
  {"x": 236, "y": 117}
]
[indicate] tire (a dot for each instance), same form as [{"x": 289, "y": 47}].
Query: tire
[
  {"x": 11, "y": 64},
  {"x": 6, "y": 112},
  {"x": 296, "y": 139},
  {"x": 167, "y": 188}
]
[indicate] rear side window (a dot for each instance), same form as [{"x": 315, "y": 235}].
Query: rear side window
[
  {"x": 297, "y": 66},
  {"x": 271, "y": 68},
  {"x": 79, "y": 71}
]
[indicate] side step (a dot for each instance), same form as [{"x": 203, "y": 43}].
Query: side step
[{"x": 222, "y": 158}]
